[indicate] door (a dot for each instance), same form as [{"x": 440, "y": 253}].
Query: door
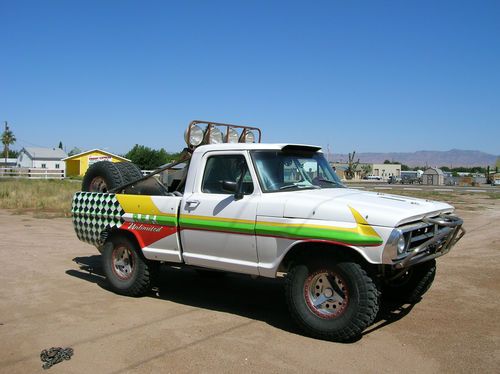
[{"x": 217, "y": 227}]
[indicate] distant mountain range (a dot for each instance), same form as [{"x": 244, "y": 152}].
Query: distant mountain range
[{"x": 451, "y": 158}]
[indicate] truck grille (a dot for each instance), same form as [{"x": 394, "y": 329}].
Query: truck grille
[
  {"x": 417, "y": 234},
  {"x": 427, "y": 239}
]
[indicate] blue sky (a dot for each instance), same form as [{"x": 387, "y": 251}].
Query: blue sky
[{"x": 357, "y": 75}]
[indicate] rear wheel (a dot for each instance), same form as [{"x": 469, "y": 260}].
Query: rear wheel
[
  {"x": 128, "y": 273},
  {"x": 333, "y": 301}
]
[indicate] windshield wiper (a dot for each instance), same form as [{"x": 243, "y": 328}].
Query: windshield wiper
[
  {"x": 288, "y": 186},
  {"x": 329, "y": 181}
]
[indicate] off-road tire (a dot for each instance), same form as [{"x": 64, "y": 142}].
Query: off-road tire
[
  {"x": 137, "y": 282},
  {"x": 130, "y": 172},
  {"x": 102, "y": 177},
  {"x": 413, "y": 285},
  {"x": 359, "y": 312},
  {"x": 111, "y": 175}
]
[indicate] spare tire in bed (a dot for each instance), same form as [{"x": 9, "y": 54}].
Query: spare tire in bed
[
  {"x": 130, "y": 172},
  {"x": 104, "y": 176}
]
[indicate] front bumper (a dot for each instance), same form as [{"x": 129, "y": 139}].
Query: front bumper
[{"x": 439, "y": 235}]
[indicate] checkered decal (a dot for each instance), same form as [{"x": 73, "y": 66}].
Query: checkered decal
[{"x": 94, "y": 213}]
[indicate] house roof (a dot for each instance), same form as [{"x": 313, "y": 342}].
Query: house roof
[
  {"x": 39, "y": 153},
  {"x": 95, "y": 150},
  {"x": 436, "y": 170}
]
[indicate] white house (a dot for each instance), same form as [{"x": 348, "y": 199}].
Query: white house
[
  {"x": 386, "y": 170},
  {"x": 43, "y": 158},
  {"x": 11, "y": 162}
]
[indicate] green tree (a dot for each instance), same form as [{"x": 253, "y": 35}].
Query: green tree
[
  {"x": 13, "y": 154},
  {"x": 8, "y": 138},
  {"x": 366, "y": 169},
  {"x": 148, "y": 159},
  {"x": 74, "y": 151}
]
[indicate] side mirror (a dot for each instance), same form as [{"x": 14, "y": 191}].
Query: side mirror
[
  {"x": 233, "y": 187},
  {"x": 230, "y": 186}
]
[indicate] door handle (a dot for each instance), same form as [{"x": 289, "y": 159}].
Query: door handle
[{"x": 192, "y": 203}]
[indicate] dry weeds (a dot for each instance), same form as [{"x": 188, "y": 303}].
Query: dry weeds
[{"x": 43, "y": 198}]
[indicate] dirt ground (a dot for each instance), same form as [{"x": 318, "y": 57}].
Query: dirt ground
[{"x": 52, "y": 294}]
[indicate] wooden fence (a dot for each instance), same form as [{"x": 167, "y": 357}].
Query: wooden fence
[{"x": 35, "y": 173}]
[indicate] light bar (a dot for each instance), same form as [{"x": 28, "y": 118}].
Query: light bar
[
  {"x": 247, "y": 137},
  {"x": 194, "y": 136},
  {"x": 232, "y": 135},
  {"x": 216, "y": 133}
]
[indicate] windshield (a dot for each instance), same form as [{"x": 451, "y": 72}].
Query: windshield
[{"x": 281, "y": 171}]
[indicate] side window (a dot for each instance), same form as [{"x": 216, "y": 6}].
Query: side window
[{"x": 232, "y": 168}]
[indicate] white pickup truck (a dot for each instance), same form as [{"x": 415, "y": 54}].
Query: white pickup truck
[{"x": 270, "y": 210}]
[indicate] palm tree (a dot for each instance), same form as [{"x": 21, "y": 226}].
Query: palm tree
[
  {"x": 352, "y": 166},
  {"x": 8, "y": 138}
]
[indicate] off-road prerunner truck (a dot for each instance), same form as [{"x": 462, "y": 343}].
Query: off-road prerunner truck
[{"x": 266, "y": 210}]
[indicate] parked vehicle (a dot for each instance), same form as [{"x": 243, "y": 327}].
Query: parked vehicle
[
  {"x": 411, "y": 177},
  {"x": 393, "y": 179},
  {"x": 267, "y": 210}
]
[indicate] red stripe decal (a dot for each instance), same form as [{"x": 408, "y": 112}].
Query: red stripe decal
[{"x": 147, "y": 234}]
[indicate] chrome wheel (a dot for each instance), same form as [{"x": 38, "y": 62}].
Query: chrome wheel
[
  {"x": 326, "y": 294},
  {"x": 122, "y": 262},
  {"x": 98, "y": 184}
]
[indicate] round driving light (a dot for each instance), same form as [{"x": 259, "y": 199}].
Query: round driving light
[
  {"x": 215, "y": 136},
  {"x": 249, "y": 137},
  {"x": 401, "y": 244},
  {"x": 195, "y": 136},
  {"x": 232, "y": 135}
]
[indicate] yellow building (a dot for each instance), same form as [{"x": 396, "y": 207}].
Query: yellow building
[{"x": 77, "y": 165}]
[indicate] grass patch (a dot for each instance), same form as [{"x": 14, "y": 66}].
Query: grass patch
[{"x": 43, "y": 198}]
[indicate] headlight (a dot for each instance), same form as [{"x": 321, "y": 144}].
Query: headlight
[
  {"x": 195, "y": 136},
  {"x": 215, "y": 136},
  {"x": 232, "y": 135},
  {"x": 248, "y": 137},
  {"x": 401, "y": 244}
]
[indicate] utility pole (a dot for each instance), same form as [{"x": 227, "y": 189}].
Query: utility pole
[{"x": 6, "y": 149}]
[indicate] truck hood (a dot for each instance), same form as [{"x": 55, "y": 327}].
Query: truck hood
[{"x": 378, "y": 209}]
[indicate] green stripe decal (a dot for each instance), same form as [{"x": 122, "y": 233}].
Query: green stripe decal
[
  {"x": 359, "y": 235},
  {"x": 155, "y": 219},
  {"x": 304, "y": 232},
  {"x": 215, "y": 225}
]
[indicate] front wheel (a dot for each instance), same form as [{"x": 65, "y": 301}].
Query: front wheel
[
  {"x": 332, "y": 301},
  {"x": 126, "y": 270},
  {"x": 412, "y": 284}
]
